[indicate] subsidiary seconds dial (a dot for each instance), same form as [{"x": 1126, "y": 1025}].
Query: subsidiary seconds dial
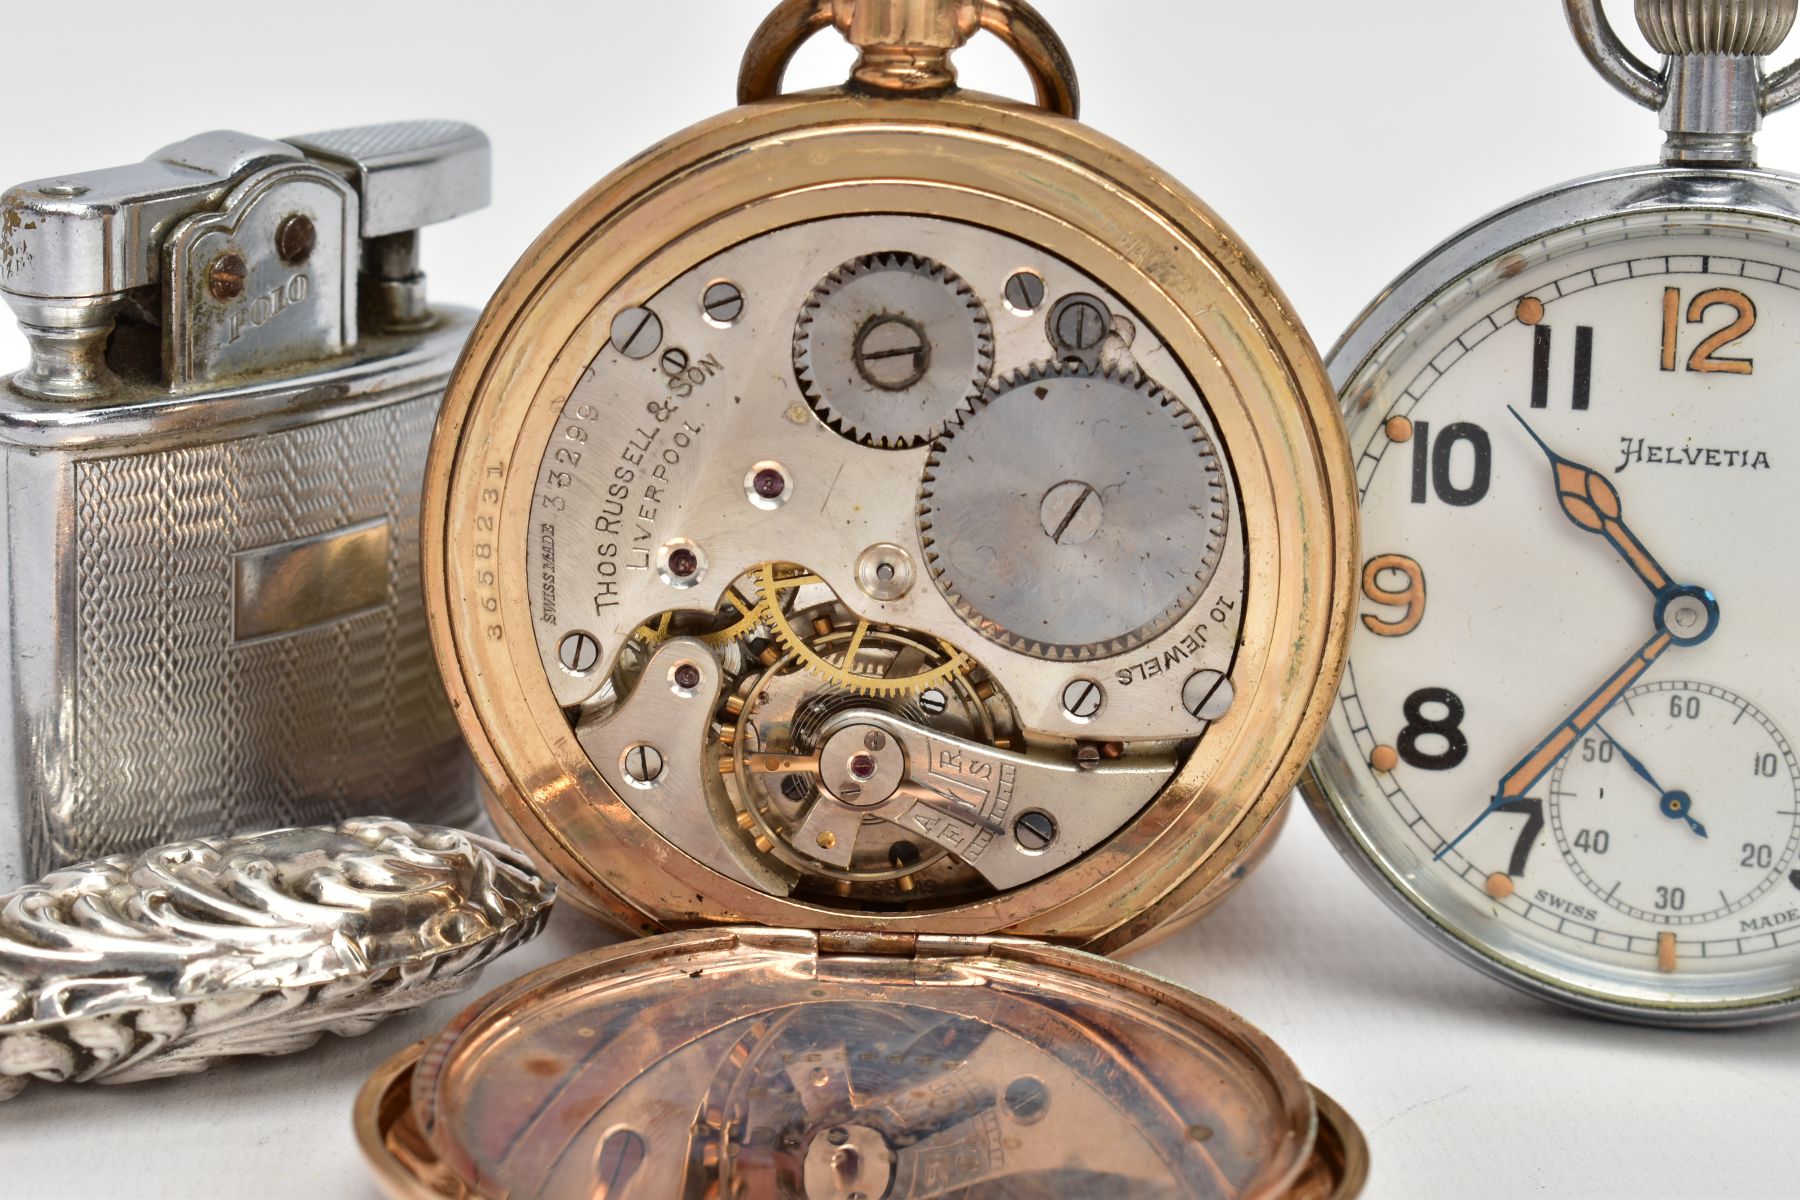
[{"x": 1682, "y": 807}]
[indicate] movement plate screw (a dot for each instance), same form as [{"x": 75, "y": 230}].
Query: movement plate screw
[
  {"x": 643, "y": 765},
  {"x": 1024, "y": 292},
  {"x": 295, "y": 239},
  {"x": 578, "y": 652},
  {"x": 226, "y": 279},
  {"x": 1035, "y": 830},
  {"x": 636, "y": 333},
  {"x": 1207, "y": 695},
  {"x": 723, "y": 303},
  {"x": 1082, "y": 699}
]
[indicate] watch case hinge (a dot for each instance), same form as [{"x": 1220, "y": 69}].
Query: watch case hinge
[{"x": 864, "y": 943}]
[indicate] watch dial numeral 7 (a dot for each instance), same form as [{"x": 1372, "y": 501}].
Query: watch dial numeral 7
[
  {"x": 1411, "y": 596},
  {"x": 1532, "y": 810},
  {"x": 1705, "y": 358}
]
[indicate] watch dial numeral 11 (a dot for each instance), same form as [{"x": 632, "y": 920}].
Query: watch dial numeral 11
[{"x": 1543, "y": 340}]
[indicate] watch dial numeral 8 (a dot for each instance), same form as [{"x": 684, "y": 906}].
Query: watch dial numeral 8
[
  {"x": 1420, "y": 724},
  {"x": 1433, "y": 462},
  {"x": 1705, "y": 358},
  {"x": 1411, "y": 597}
]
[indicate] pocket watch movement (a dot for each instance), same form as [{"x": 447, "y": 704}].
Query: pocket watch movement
[
  {"x": 887, "y": 541},
  {"x": 890, "y": 508},
  {"x": 1561, "y": 745}
]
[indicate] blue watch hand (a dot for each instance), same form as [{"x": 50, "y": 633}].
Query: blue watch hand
[
  {"x": 1631, "y": 760},
  {"x": 1591, "y": 503},
  {"x": 1543, "y": 756},
  {"x": 1672, "y": 804}
]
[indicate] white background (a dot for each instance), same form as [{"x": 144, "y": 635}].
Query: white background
[{"x": 1342, "y": 140}]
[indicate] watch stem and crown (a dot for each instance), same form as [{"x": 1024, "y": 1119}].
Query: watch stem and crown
[
  {"x": 1731, "y": 27},
  {"x": 905, "y": 45},
  {"x": 1713, "y": 88}
]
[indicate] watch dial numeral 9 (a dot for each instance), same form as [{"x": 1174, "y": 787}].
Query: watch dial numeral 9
[
  {"x": 1411, "y": 597},
  {"x": 1421, "y": 724},
  {"x": 1433, "y": 463},
  {"x": 1705, "y": 358}
]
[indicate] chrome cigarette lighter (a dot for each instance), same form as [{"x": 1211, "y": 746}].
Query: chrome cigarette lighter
[{"x": 211, "y": 471}]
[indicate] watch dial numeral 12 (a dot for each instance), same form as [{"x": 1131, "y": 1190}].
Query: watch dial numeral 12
[{"x": 1705, "y": 358}]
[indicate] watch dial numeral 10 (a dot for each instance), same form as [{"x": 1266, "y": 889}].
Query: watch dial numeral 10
[
  {"x": 1433, "y": 463},
  {"x": 1705, "y": 358},
  {"x": 1411, "y": 596}
]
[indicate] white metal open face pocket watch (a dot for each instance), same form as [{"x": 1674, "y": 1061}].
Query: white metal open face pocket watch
[{"x": 1562, "y": 743}]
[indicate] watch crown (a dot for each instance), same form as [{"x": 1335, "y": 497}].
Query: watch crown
[{"x": 1752, "y": 27}]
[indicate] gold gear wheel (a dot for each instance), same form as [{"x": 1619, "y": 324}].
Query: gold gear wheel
[
  {"x": 662, "y": 627},
  {"x": 774, "y": 578}
]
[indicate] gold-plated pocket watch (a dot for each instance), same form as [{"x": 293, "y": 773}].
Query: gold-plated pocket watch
[
  {"x": 870, "y": 531},
  {"x": 1562, "y": 743}
]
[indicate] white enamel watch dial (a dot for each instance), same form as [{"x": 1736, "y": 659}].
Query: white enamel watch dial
[
  {"x": 1561, "y": 738},
  {"x": 1559, "y": 743}
]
